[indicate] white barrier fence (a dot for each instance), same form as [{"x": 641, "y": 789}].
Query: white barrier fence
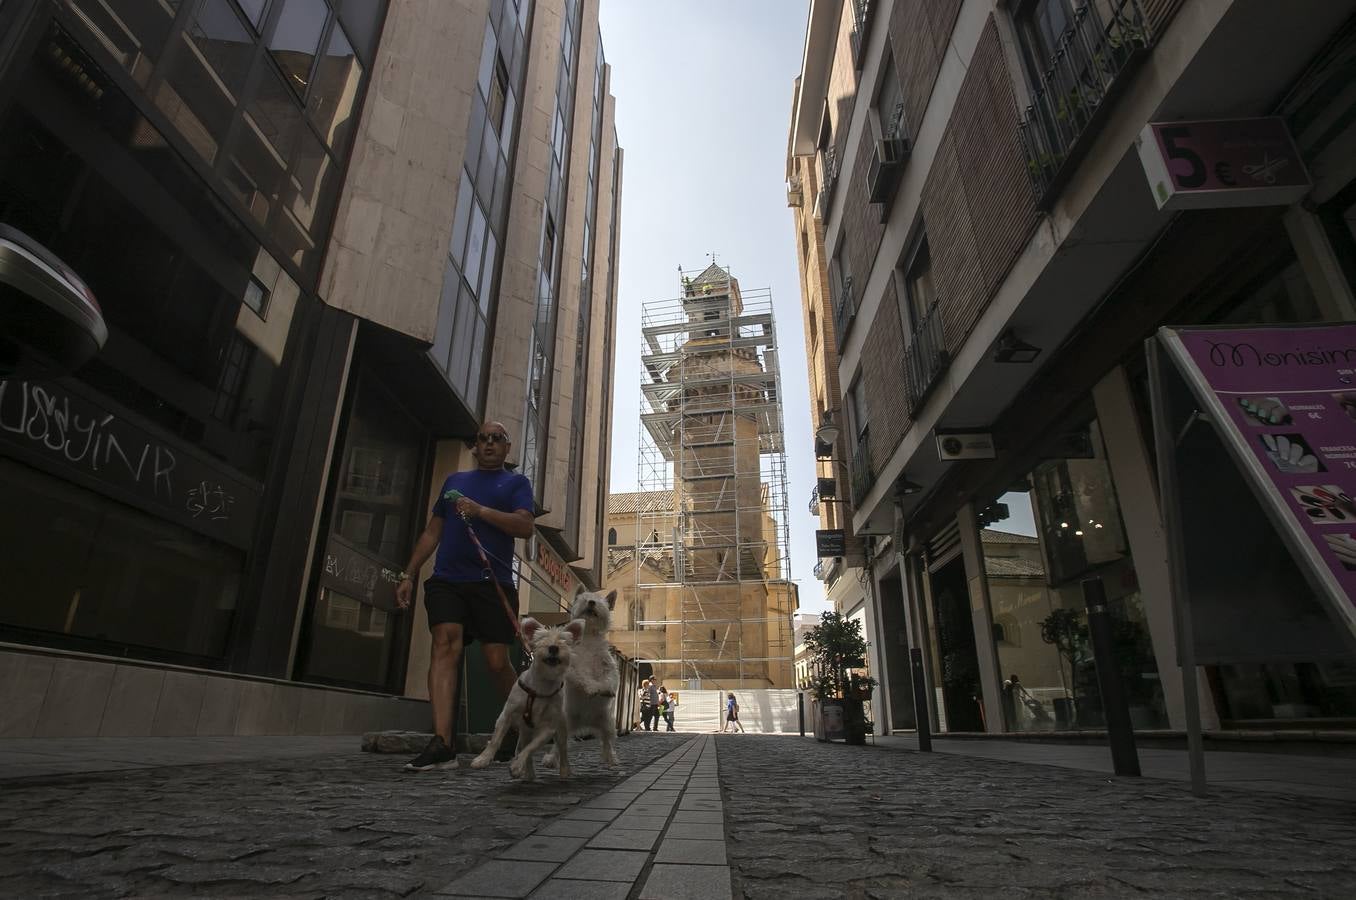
[{"x": 761, "y": 711}]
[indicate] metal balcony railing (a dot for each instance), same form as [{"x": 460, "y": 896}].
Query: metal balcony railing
[
  {"x": 863, "y": 13},
  {"x": 1089, "y": 65},
  {"x": 862, "y": 475},
  {"x": 814, "y": 500},
  {"x": 925, "y": 359},
  {"x": 844, "y": 311}
]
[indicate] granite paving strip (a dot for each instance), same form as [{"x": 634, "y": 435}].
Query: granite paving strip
[{"x": 617, "y": 841}]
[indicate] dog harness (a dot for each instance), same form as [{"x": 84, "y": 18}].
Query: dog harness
[{"x": 533, "y": 696}]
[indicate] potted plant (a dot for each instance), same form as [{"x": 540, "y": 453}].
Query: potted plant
[
  {"x": 1069, "y": 633},
  {"x": 836, "y": 648}
]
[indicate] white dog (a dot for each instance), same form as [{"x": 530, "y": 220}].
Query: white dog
[
  {"x": 535, "y": 705},
  {"x": 591, "y": 682}
]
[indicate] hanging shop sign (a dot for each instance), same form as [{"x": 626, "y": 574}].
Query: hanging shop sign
[
  {"x": 830, "y": 542},
  {"x": 1222, "y": 163},
  {"x": 555, "y": 569},
  {"x": 965, "y": 445},
  {"x": 68, "y": 430}
]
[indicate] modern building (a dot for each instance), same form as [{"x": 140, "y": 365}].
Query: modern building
[
  {"x": 997, "y": 257},
  {"x": 707, "y": 599},
  {"x": 329, "y": 238}
]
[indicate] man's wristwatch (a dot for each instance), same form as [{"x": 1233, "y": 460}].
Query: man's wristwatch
[{"x": 406, "y": 576}]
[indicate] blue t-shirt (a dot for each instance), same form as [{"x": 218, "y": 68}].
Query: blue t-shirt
[{"x": 457, "y": 559}]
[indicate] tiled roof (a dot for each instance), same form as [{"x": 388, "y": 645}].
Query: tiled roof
[
  {"x": 713, "y": 274},
  {"x": 1013, "y": 567},
  {"x": 640, "y": 501},
  {"x": 994, "y": 536}
]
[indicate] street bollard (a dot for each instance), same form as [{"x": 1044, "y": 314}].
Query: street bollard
[
  {"x": 800, "y": 711},
  {"x": 1120, "y": 731},
  {"x": 920, "y": 701}
]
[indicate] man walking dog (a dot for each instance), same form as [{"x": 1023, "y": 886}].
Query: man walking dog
[{"x": 462, "y": 601}]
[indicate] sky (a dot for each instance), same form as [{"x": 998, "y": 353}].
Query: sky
[{"x": 703, "y": 92}]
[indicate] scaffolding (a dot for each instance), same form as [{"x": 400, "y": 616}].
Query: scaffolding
[{"x": 713, "y": 602}]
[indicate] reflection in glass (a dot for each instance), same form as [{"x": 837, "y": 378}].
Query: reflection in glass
[
  {"x": 134, "y": 32},
  {"x": 296, "y": 38},
  {"x": 335, "y": 89},
  {"x": 1079, "y": 524},
  {"x": 203, "y": 84}
]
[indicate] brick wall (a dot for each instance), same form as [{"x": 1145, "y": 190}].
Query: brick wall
[
  {"x": 919, "y": 33},
  {"x": 978, "y": 207},
  {"x": 883, "y": 380}
]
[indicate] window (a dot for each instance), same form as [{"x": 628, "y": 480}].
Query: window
[
  {"x": 919, "y": 294},
  {"x": 256, "y": 296},
  {"x": 496, "y": 102},
  {"x": 611, "y": 536},
  {"x": 1040, "y": 24},
  {"x": 858, "y": 411},
  {"x": 296, "y": 38},
  {"x": 840, "y": 286},
  {"x": 889, "y": 107},
  {"x": 254, "y": 11},
  {"x": 335, "y": 89}
]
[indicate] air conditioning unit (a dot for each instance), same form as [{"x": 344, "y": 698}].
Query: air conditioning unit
[
  {"x": 965, "y": 445},
  {"x": 822, "y": 204},
  {"x": 794, "y": 196},
  {"x": 887, "y": 164}
]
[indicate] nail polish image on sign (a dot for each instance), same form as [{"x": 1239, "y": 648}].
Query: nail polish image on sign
[
  {"x": 1265, "y": 411},
  {"x": 1343, "y": 546},
  {"x": 1325, "y": 504},
  {"x": 1290, "y": 454}
]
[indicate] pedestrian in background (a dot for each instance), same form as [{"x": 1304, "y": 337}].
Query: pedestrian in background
[
  {"x": 662, "y": 710},
  {"x": 673, "y": 708},
  {"x": 652, "y": 703},
  {"x": 731, "y": 714}
]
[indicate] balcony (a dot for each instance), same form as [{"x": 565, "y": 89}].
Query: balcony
[
  {"x": 1088, "y": 69},
  {"x": 814, "y": 501},
  {"x": 862, "y": 475},
  {"x": 925, "y": 359},
  {"x": 863, "y": 14},
  {"x": 828, "y": 178},
  {"x": 827, "y": 569}
]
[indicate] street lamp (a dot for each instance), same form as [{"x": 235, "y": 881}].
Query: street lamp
[
  {"x": 827, "y": 432},
  {"x": 1012, "y": 349}
]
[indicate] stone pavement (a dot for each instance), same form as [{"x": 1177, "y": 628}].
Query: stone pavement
[
  {"x": 805, "y": 819},
  {"x": 334, "y": 823},
  {"x": 758, "y": 816}
]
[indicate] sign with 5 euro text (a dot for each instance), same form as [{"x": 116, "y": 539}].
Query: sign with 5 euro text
[
  {"x": 1289, "y": 396},
  {"x": 1222, "y": 163}
]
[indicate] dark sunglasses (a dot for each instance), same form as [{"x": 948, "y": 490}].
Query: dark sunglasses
[{"x": 497, "y": 437}]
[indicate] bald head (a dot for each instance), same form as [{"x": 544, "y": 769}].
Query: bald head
[{"x": 492, "y": 445}]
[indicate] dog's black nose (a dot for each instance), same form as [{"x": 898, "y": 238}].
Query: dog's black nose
[{"x": 554, "y": 651}]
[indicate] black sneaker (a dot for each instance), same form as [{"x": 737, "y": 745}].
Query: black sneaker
[
  {"x": 437, "y": 755},
  {"x": 508, "y": 748}
]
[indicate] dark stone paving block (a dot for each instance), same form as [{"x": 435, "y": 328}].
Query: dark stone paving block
[
  {"x": 604, "y": 865},
  {"x": 681, "y": 850},
  {"x": 567, "y": 889},
  {"x": 544, "y": 847},
  {"x": 616, "y": 838},
  {"x": 500, "y": 878},
  {"x": 593, "y": 815},
  {"x": 677, "y": 882},
  {"x": 572, "y": 828},
  {"x": 707, "y": 832},
  {"x": 642, "y": 823},
  {"x": 698, "y": 817},
  {"x": 611, "y": 801}
]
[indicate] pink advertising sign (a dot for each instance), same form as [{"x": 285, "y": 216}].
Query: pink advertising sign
[
  {"x": 1288, "y": 395},
  {"x": 1222, "y": 163}
]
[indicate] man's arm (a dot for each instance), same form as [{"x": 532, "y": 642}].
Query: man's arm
[
  {"x": 423, "y": 548},
  {"x": 518, "y": 523}
]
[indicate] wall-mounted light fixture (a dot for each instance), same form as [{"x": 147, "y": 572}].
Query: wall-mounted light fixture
[
  {"x": 904, "y": 487},
  {"x": 1012, "y": 349},
  {"x": 827, "y": 432}
]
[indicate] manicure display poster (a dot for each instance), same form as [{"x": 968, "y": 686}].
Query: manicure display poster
[{"x": 1288, "y": 395}]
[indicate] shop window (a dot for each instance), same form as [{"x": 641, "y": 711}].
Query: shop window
[
  {"x": 1077, "y": 520},
  {"x": 91, "y": 571},
  {"x": 296, "y": 39},
  {"x": 352, "y": 638}
]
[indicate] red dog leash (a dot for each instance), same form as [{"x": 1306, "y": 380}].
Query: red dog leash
[{"x": 456, "y": 495}]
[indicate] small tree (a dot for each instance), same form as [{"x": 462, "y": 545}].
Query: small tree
[
  {"x": 1069, "y": 634},
  {"x": 836, "y": 645}
]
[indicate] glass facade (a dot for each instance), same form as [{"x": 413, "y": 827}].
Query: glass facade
[
  {"x": 473, "y": 261},
  {"x": 541, "y": 359},
  {"x": 135, "y": 493}
]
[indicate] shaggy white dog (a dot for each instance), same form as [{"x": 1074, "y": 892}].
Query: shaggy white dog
[{"x": 591, "y": 683}]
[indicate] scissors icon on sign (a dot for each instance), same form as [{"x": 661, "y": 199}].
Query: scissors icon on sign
[{"x": 1267, "y": 169}]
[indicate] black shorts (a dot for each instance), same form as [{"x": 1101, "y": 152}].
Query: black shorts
[{"x": 475, "y": 606}]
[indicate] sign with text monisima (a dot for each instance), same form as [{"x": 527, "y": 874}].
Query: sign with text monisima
[
  {"x": 1288, "y": 395},
  {"x": 1222, "y": 163},
  {"x": 830, "y": 542}
]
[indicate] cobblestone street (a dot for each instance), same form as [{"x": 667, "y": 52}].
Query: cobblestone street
[
  {"x": 805, "y": 819},
  {"x": 801, "y": 819}
]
